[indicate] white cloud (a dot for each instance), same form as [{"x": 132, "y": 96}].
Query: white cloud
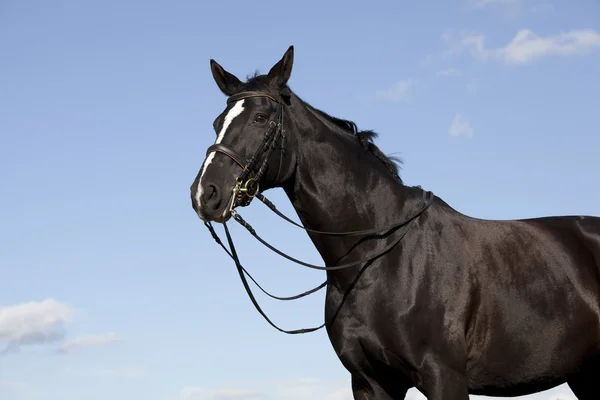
[
  {"x": 87, "y": 341},
  {"x": 527, "y": 47},
  {"x": 448, "y": 72},
  {"x": 460, "y": 126},
  {"x": 42, "y": 322},
  {"x": 35, "y": 322},
  {"x": 400, "y": 91}
]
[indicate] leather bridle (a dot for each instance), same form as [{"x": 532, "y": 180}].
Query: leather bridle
[{"x": 247, "y": 188}]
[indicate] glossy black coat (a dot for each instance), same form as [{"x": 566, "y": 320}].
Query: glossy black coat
[{"x": 461, "y": 305}]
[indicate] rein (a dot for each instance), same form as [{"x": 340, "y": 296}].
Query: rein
[
  {"x": 248, "y": 227},
  {"x": 248, "y": 188}
]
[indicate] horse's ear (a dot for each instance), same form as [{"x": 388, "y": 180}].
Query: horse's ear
[
  {"x": 280, "y": 73},
  {"x": 228, "y": 83}
]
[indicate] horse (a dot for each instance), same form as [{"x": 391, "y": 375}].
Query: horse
[{"x": 425, "y": 296}]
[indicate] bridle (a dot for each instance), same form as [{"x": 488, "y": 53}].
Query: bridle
[{"x": 247, "y": 188}]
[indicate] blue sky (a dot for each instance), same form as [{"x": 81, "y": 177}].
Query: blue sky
[{"x": 111, "y": 288}]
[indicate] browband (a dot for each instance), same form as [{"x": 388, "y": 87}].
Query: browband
[{"x": 248, "y": 94}]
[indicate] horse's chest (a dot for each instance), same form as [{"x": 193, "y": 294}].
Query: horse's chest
[{"x": 365, "y": 330}]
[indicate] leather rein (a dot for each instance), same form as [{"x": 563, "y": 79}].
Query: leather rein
[{"x": 247, "y": 188}]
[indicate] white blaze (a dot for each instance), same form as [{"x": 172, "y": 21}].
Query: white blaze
[{"x": 236, "y": 110}]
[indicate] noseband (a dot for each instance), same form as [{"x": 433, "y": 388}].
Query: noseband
[{"x": 246, "y": 188}]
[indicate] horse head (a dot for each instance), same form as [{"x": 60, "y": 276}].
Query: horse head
[{"x": 248, "y": 153}]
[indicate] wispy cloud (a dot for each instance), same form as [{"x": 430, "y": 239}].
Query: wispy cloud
[
  {"x": 460, "y": 126},
  {"x": 526, "y": 46},
  {"x": 399, "y": 91},
  {"x": 44, "y": 322},
  {"x": 31, "y": 323},
  {"x": 88, "y": 341},
  {"x": 448, "y": 72}
]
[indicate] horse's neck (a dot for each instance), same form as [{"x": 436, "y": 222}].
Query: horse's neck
[
  {"x": 334, "y": 194},
  {"x": 337, "y": 189}
]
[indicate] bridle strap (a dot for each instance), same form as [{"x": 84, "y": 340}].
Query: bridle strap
[
  {"x": 281, "y": 298},
  {"x": 372, "y": 231},
  {"x": 218, "y": 147},
  {"x": 408, "y": 222},
  {"x": 251, "y": 295},
  {"x": 248, "y": 94}
]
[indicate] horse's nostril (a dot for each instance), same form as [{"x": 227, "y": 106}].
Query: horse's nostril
[
  {"x": 212, "y": 190},
  {"x": 212, "y": 197}
]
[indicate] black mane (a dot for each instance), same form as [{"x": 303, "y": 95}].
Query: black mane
[{"x": 366, "y": 138}]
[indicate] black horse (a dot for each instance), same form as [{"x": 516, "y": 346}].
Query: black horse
[{"x": 425, "y": 296}]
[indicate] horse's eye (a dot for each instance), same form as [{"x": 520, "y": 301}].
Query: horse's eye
[{"x": 260, "y": 118}]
